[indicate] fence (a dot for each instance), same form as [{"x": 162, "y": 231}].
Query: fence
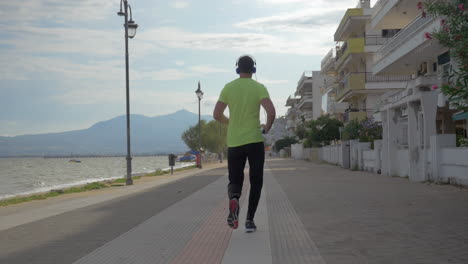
[{"x": 445, "y": 162}]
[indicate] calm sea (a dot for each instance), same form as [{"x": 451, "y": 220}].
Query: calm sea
[{"x": 19, "y": 176}]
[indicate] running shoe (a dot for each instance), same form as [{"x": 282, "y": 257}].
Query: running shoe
[
  {"x": 233, "y": 217},
  {"x": 250, "y": 226}
]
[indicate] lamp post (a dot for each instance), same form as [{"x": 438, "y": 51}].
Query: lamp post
[
  {"x": 130, "y": 32},
  {"x": 199, "y": 94}
]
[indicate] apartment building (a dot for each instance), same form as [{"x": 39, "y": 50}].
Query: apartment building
[
  {"x": 330, "y": 86},
  {"x": 357, "y": 43},
  {"x": 306, "y": 103},
  {"x": 411, "y": 118},
  {"x": 277, "y": 132}
]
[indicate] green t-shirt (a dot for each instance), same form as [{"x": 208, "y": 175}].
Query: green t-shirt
[{"x": 243, "y": 98}]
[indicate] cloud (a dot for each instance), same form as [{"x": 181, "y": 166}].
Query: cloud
[
  {"x": 28, "y": 39},
  {"x": 58, "y": 11},
  {"x": 273, "y": 82},
  {"x": 206, "y": 69},
  {"x": 180, "y": 4},
  {"x": 180, "y": 63},
  {"x": 310, "y": 20},
  {"x": 62, "y": 40},
  {"x": 315, "y": 3},
  {"x": 163, "y": 75},
  {"x": 176, "y": 38}
]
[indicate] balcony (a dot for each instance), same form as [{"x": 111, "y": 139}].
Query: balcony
[
  {"x": 304, "y": 84},
  {"x": 354, "y": 114},
  {"x": 291, "y": 101},
  {"x": 352, "y": 23},
  {"x": 381, "y": 82},
  {"x": 330, "y": 84},
  {"x": 393, "y": 14},
  {"x": 328, "y": 63},
  {"x": 367, "y": 81},
  {"x": 308, "y": 116},
  {"x": 352, "y": 81},
  {"x": 424, "y": 82},
  {"x": 408, "y": 48},
  {"x": 305, "y": 102},
  {"x": 352, "y": 46}
]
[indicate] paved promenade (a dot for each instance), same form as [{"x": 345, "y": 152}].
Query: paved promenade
[{"x": 309, "y": 213}]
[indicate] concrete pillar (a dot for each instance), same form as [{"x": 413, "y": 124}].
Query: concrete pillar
[
  {"x": 353, "y": 154},
  {"x": 345, "y": 154},
  {"x": 378, "y": 158},
  {"x": 415, "y": 153},
  {"x": 391, "y": 142},
  {"x": 384, "y": 157},
  {"x": 429, "y": 109}
]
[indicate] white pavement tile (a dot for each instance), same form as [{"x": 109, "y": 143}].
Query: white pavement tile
[{"x": 250, "y": 247}]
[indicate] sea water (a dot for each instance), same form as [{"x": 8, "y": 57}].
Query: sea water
[{"x": 21, "y": 176}]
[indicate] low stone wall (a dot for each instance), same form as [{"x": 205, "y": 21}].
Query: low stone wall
[{"x": 445, "y": 162}]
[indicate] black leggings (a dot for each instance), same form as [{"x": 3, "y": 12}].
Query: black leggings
[{"x": 237, "y": 157}]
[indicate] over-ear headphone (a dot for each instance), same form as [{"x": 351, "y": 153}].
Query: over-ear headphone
[{"x": 254, "y": 69}]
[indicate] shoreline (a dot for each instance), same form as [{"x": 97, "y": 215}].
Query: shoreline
[
  {"x": 26, "y": 212},
  {"x": 86, "y": 186}
]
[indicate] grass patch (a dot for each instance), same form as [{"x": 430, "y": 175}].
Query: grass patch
[
  {"x": 54, "y": 193},
  {"x": 161, "y": 172}
]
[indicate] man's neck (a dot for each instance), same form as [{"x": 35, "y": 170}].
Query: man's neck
[{"x": 245, "y": 75}]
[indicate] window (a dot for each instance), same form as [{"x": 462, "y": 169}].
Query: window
[{"x": 443, "y": 58}]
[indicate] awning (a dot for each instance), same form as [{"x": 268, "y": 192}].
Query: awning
[{"x": 460, "y": 116}]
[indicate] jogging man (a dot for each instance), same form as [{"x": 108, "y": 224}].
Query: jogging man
[{"x": 244, "y": 139}]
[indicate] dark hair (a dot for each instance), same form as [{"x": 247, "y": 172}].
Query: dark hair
[{"x": 245, "y": 64}]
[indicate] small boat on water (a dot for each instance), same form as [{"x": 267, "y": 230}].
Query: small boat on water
[
  {"x": 74, "y": 161},
  {"x": 189, "y": 156}
]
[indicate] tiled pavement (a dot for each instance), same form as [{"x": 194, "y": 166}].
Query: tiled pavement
[{"x": 309, "y": 213}]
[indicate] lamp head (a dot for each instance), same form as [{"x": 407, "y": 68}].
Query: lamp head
[
  {"x": 132, "y": 28},
  {"x": 199, "y": 92}
]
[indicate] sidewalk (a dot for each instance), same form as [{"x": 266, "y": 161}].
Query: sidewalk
[{"x": 308, "y": 213}]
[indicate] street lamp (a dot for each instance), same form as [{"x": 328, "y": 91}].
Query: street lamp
[
  {"x": 199, "y": 94},
  {"x": 130, "y": 32}
]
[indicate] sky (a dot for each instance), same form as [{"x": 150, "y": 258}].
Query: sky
[{"x": 62, "y": 62}]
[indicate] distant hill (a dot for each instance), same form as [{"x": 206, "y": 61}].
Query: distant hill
[{"x": 159, "y": 134}]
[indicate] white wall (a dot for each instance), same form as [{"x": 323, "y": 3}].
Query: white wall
[
  {"x": 454, "y": 165},
  {"x": 297, "y": 151}
]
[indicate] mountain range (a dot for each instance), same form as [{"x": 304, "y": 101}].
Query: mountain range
[{"x": 149, "y": 135}]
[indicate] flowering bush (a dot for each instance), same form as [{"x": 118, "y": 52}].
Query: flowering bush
[
  {"x": 366, "y": 131},
  {"x": 453, "y": 34},
  {"x": 370, "y": 131}
]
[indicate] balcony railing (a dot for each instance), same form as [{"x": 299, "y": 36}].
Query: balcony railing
[
  {"x": 305, "y": 75},
  {"x": 406, "y": 33},
  {"x": 387, "y": 78},
  {"x": 328, "y": 58},
  {"x": 374, "y": 40},
  {"x": 354, "y": 114},
  {"x": 307, "y": 97}
]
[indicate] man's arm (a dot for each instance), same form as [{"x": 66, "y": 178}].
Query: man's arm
[
  {"x": 271, "y": 112},
  {"x": 218, "y": 113}
]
